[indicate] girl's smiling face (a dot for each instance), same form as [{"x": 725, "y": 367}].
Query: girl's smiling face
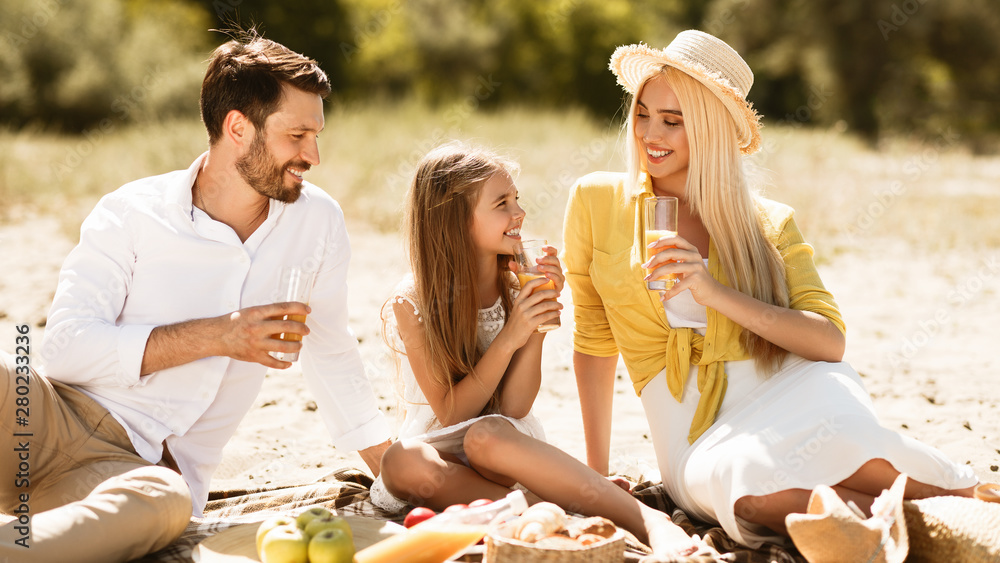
[
  {"x": 661, "y": 137},
  {"x": 497, "y": 218}
]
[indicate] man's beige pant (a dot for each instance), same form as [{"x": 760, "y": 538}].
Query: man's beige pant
[{"x": 91, "y": 497}]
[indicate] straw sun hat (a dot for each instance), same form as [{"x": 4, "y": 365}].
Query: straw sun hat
[{"x": 708, "y": 60}]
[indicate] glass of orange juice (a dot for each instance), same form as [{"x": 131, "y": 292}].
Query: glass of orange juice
[
  {"x": 659, "y": 220},
  {"x": 527, "y": 270},
  {"x": 294, "y": 284}
]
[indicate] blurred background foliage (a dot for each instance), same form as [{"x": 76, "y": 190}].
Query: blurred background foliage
[{"x": 877, "y": 68}]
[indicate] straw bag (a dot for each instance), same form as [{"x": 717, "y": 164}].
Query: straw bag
[
  {"x": 932, "y": 529},
  {"x": 501, "y": 547},
  {"x": 953, "y": 529}
]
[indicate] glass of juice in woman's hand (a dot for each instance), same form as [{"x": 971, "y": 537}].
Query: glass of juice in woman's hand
[
  {"x": 527, "y": 269},
  {"x": 659, "y": 220},
  {"x": 294, "y": 284}
]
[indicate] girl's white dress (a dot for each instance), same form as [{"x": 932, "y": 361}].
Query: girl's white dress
[
  {"x": 811, "y": 423},
  {"x": 420, "y": 423}
]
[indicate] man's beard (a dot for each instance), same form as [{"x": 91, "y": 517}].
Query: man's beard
[{"x": 257, "y": 167}]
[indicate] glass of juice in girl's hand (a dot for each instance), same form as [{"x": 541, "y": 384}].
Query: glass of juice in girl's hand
[
  {"x": 527, "y": 270},
  {"x": 660, "y": 220},
  {"x": 294, "y": 284}
]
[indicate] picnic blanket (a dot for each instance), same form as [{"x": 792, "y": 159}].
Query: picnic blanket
[{"x": 346, "y": 491}]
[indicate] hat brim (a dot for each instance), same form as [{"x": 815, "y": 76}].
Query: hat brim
[
  {"x": 831, "y": 531},
  {"x": 634, "y": 64}
]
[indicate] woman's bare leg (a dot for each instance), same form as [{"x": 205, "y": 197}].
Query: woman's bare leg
[
  {"x": 770, "y": 510},
  {"x": 495, "y": 447},
  {"x": 861, "y": 487},
  {"x": 878, "y": 474}
]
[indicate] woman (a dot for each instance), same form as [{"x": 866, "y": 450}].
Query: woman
[{"x": 738, "y": 365}]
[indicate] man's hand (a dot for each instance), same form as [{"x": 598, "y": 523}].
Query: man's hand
[
  {"x": 247, "y": 334},
  {"x": 250, "y": 333}
]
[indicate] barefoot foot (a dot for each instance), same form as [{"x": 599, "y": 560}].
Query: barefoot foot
[{"x": 669, "y": 539}]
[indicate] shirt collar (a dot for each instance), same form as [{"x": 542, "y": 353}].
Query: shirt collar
[
  {"x": 647, "y": 183},
  {"x": 180, "y": 192}
]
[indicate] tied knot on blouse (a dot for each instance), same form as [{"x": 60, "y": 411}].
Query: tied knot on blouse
[{"x": 685, "y": 347}]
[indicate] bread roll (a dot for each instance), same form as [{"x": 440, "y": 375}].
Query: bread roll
[
  {"x": 540, "y": 520},
  {"x": 593, "y": 525}
]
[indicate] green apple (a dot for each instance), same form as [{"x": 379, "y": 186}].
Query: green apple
[
  {"x": 270, "y": 524},
  {"x": 332, "y": 522},
  {"x": 302, "y": 520},
  {"x": 332, "y": 545},
  {"x": 285, "y": 544}
]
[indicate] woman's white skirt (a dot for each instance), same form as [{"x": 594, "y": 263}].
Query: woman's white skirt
[{"x": 811, "y": 423}]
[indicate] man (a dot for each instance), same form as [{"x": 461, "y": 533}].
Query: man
[{"x": 161, "y": 328}]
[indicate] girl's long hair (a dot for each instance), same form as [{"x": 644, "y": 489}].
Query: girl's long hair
[
  {"x": 719, "y": 194},
  {"x": 438, "y": 222}
]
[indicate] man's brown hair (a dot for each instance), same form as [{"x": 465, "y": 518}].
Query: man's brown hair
[{"x": 247, "y": 73}]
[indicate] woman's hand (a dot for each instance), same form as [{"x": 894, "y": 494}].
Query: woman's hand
[
  {"x": 804, "y": 333},
  {"x": 682, "y": 258}
]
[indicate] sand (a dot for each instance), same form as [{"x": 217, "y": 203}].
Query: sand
[{"x": 921, "y": 330}]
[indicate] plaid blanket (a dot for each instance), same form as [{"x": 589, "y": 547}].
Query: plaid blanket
[
  {"x": 346, "y": 490},
  {"x": 654, "y": 495}
]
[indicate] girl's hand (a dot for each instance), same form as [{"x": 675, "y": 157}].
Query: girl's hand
[
  {"x": 532, "y": 307},
  {"x": 682, "y": 258},
  {"x": 548, "y": 265},
  {"x": 552, "y": 268}
]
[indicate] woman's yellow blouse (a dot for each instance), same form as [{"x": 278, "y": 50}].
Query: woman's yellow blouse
[{"x": 614, "y": 313}]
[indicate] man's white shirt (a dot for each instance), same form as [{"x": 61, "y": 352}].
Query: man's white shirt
[{"x": 146, "y": 258}]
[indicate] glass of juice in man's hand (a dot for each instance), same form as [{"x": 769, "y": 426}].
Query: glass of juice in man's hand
[
  {"x": 660, "y": 220},
  {"x": 294, "y": 284},
  {"x": 527, "y": 269}
]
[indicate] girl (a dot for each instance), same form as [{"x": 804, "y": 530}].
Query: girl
[
  {"x": 474, "y": 358},
  {"x": 738, "y": 365}
]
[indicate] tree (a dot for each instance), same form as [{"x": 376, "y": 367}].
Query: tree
[{"x": 62, "y": 67}]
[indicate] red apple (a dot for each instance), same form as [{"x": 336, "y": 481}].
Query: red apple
[{"x": 418, "y": 515}]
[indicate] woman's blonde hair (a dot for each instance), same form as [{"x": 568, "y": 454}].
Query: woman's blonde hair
[
  {"x": 719, "y": 194},
  {"x": 440, "y": 208}
]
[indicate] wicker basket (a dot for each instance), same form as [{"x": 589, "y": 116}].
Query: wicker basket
[{"x": 502, "y": 548}]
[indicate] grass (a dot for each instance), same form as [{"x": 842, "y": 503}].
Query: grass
[
  {"x": 65, "y": 175},
  {"x": 371, "y": 153},
  {"x": 932, "y": 195}
]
